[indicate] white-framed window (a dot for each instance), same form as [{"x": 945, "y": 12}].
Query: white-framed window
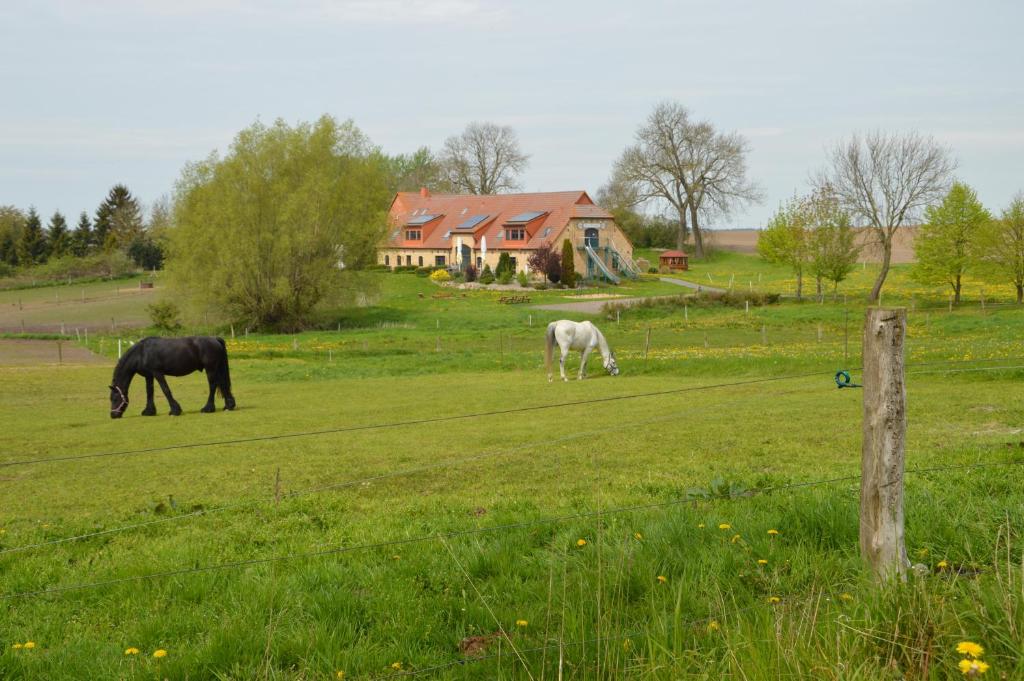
[
  {"x": 515, "y": 233},
  {"x": 413, "y": 234}
]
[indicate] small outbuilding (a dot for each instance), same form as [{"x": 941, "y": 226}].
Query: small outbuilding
[{"x": 674, "y": 260}]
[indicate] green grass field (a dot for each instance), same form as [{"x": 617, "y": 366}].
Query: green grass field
[{"x": 382, "y": 550}]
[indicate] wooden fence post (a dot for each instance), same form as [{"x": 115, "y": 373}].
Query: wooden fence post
[
  {"x": 882, "y": 455},
  {"x": 647, "y": 342}
]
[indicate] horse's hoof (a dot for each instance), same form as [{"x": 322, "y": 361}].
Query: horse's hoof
[
  {"x": 175, "y": 412},
  {"x": 208, "y": 409},
  {"x": 229, "y": 406},
  {"x": 149, "y": 412}
]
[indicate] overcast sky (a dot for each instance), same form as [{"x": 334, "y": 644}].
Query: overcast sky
[{"x": 98, "y": 92}]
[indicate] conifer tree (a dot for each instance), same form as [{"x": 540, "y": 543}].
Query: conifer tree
[
  {"x": 32, "y": 248},
  {"x": 568, "y": 265},
  {"x": 118, "y": 219},
  {"x": 58, "y": 235},
  {"x": 82, "y": 238}
]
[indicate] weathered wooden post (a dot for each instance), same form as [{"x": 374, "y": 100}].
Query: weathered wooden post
[
  {"x": 686, "y": 312},
  {"x": 60, "y": 353},
  {"x": 119, "y": 348},
  {"x": 764, "y": 334},
  {"x": 647, "y": 342},
  {"x": 882, "y": 455},
  {"x": 846, "y": 338},
  {"x": 819, "y": 332}
]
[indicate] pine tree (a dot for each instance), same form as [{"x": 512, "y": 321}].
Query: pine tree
[
  {"x": 58, "y": 235},
  {"x": 82, "y": 242},
  {"x": 12, "y": 222},
  {"x": 32, "y": 248},
  {"x": 118, "y": 219},
  {"x": 568, "y": 265}
]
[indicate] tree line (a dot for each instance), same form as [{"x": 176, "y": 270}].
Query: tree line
[{"x": 116, "y": 227}]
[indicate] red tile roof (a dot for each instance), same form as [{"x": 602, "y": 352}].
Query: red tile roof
[
  {"x": 558, "y": 209},
  {"x": 673, "y": 254}
]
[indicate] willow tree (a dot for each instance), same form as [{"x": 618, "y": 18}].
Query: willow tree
[{"x": 279, "y": 226}]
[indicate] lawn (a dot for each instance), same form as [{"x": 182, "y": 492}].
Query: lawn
[{"x": 392, "y": 536}]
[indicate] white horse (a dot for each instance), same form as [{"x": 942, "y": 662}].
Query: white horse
[{"x": 582, "y": 336}]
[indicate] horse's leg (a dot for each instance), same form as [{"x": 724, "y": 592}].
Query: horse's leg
[
  {"x": 150, "y": 409},
  {"x": 209, "y": 407},
  {"x": 561, "y": 362},
  {"x": 175, "y": 407},
  {"x": 583, "y": 361}
]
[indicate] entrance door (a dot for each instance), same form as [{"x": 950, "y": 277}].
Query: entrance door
[
  {"x": 590, "y": 237},
  {"x": 464, "y": 256}
]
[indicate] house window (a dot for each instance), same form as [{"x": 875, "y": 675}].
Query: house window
[
  {"x": 387, "y": 260},
  {"x": 515, "y": 233},
  {"x": 421, "y": 261},
  {"x": 408, "y": 260},
  {"x": 413, "y": 234},
  {"x": 439, "y": 261}
]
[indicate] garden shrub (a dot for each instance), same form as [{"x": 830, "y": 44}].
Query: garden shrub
[{"x": 440, "y": 275}]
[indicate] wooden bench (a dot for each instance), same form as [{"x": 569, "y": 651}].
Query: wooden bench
[{"x": 514, "y": 300}]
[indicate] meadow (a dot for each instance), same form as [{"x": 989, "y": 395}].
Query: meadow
[{"x": 404, "y": 494}]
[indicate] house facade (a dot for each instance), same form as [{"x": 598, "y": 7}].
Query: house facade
[{"x": 456, "y": 230}]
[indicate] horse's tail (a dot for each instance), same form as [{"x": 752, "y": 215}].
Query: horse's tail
[
  {"x": 549, "y": 344},
  {"x": 221, "y": 375}
]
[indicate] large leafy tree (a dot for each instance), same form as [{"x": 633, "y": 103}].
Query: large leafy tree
[
  {"x": 410, "y": 172},
  {"x": 832, "y": 241},
  {"x": 1000, "y": 247},
  {"x": 945, "y": 244},
  {"x": 58, "y": 236},
  {"x": 280, "y": 224},
  {"x": 32, "y": 247}
]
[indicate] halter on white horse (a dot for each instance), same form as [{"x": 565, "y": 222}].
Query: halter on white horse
[{"x": 582, "y": 336}]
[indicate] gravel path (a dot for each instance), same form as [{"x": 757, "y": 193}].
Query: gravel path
[{"x": 594, "y": 306}]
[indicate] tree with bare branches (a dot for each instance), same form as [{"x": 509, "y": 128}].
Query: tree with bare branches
[
  {"x": 885, "y": 180},
  {"x": 697, "y": 170},
  {"x": 484, "y": 159}
]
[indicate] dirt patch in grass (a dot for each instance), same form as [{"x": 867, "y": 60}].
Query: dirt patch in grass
[{"x": 18, "y": 352}]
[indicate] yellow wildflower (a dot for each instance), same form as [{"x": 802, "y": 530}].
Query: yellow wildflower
[
  {"x": 29, "y": 645},
  {"x": 725, "y": 526},
  {"x": 396, "y": 665},
  {"x": 943, "y": 565},
  {"x": 845, "y": 597},
  {"x": 339, "y": 674},
  {"x": 581, "y": 542},
  {"x": 521, "y": 623},
  {"x": 773, "y": 532},
  {"x": 662, "y": 578},
  {"x": 627, "y": 644},
  {"x": 970, "y": 649},
  {"x": 160, "y": 653},
  {"x": 774, "y": 599},
  {"x": 973, "y": 667},
  {"x": 17, "y": 646},
  {"x": 713, "y": 625},
  {"x": 638, "y": 536},
  {"x": 700, "y": 525},
  {"x": 735, "y": 538},
  {"x": 762, "y": 561},
  {"x": 131, "y": 651}
]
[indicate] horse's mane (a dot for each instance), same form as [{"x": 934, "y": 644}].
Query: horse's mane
[{"x": 128, "y": 360}]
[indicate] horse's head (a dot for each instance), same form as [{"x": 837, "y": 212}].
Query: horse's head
[
  {"x": 118, "y": 402},
  {"x": 610, "y": 366}
]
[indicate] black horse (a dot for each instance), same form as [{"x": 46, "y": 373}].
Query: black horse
[{"x": 154, "y": 358}]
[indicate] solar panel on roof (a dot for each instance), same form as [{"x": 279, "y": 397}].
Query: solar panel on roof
[
  {"x": 473, "y": 221},
  {"x": 526, "y": 217},
  {"x": 422, "y": 219}
]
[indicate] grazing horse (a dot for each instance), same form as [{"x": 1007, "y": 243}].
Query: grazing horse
[
  {"x": 153, "y": 358},
  {"x": 582, "y": 336}
]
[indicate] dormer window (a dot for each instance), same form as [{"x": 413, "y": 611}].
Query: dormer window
[
  {"x": 515, "y": 233},
  {"x": 413, "y": 235}
]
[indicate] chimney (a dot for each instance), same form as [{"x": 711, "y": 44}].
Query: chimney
[{"x": 423, "y": 192}]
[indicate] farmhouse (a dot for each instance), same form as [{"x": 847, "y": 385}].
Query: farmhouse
[{"x": 457, "y": 230}]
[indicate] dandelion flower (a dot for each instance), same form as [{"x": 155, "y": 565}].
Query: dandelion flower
[
  {"x": 627, "y": 644},
  {"x": 700, "y": 525},
  {"x": 725, "y": 526},
  {"x": 735, "y": 538},
  {"x": 773, "y": 532},
  {"x": 970, "y": 649},
  {"x": 17, "y": 646},
  {"x": 845, "y": 597},
  {"x": 160, "y": 653},
  {"x": 943, "y": 565},
  {"x": 396, "y": 665},
  {"x": 521, "y": 623},
  {"x": 581, "y": 542},
  {"x": 339, "y": 675},
  {"x": 638, "y": 536},
  {"x": 774, "y": 599},
  {"x": 713, "y": 625},
  {"x": 762, "y": 561},
  {"x": 131, "y": 651},
  {"x": 973, "y": 667},
  {"x": 29, "y": 645},
  {"x": 662, "y": 578}
]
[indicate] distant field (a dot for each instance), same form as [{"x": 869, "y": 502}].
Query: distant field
[
  {"x": 96, "y": 305},
  {"x": 745, "y": 241}
]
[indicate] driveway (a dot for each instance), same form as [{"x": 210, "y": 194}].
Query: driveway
[{"x": 594, "y": 306}]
